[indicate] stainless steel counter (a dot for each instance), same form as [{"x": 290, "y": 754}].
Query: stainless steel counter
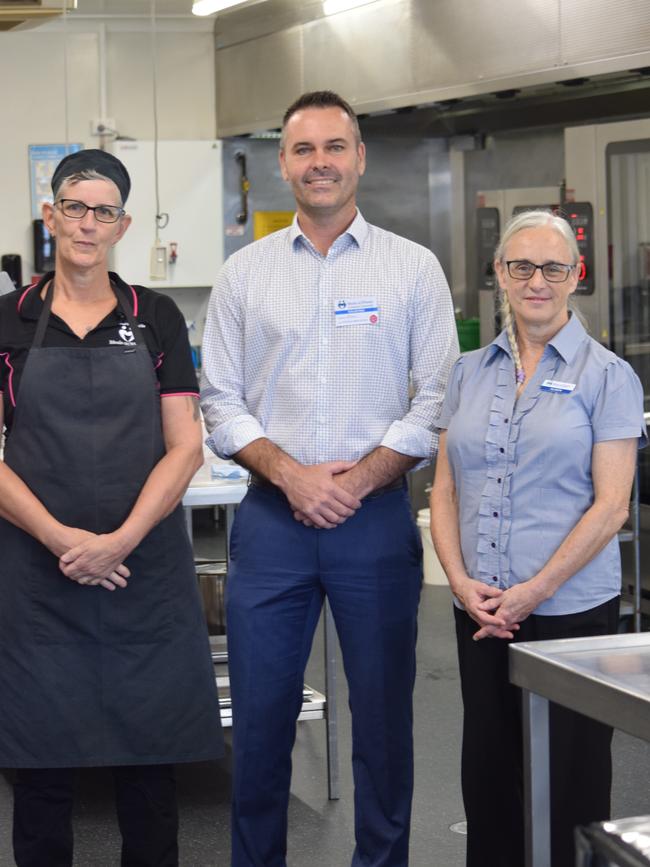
[{"x": 606, "y": 678}]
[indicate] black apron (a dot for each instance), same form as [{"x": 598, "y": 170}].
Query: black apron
[{"x": 88, "y": 676}]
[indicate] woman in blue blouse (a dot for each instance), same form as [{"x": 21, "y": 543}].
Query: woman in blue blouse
[{"x": 533, "y": 482}]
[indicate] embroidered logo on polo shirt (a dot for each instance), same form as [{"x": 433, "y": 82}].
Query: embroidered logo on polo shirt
[{"x": 126, "y": 335}]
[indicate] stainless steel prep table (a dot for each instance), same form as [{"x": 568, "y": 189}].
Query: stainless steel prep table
[
  {"x": 206, "y": 491},
  {"x": 606, "y": 678}
]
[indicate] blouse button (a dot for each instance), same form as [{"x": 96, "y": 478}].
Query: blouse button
[
  {"x": 505, "y": 421},
  {"x": 495, "y": 514},
  {"x": 498, "y": 481},
  {"x": 493, "y": 544},
  {"x": 502, "y": 450},
  {"x": 494, "y": 577}
]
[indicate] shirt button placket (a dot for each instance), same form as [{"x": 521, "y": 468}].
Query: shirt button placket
[
  {"x": 503, "y": 451},
  {"x": 498, "y": 511},
  {"x": 323, "y": 353}
]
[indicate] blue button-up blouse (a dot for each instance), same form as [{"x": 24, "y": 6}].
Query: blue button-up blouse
[{"x": 522, "y": 468}]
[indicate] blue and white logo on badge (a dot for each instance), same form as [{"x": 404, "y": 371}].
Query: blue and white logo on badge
[
  {"x": 356, "y": 311},
  {"x": 557, "y": 387}
]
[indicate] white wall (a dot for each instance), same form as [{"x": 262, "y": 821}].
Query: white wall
[{"x": 33, "y": 104}]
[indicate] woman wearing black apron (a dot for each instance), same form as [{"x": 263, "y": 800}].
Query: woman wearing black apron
[{"x": 104, "y": 655}]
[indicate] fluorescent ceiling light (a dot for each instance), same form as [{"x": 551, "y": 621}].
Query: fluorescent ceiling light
[
  {"x": 209, "y": 7},
  {"x": 331, "y": 7}
]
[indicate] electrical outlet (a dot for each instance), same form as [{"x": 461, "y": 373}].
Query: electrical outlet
[{"x": 102, "y": 125}]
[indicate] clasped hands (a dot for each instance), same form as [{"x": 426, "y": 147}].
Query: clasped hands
[
  {"x": 325, "y": 495},
  {"x": 92, "y": 559},
  {"x": 498, "y": 612}
]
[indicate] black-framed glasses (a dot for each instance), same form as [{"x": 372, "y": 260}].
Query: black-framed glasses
[
  {"x": 77, "y": 210},
  {"x": 554, "y": 272}
]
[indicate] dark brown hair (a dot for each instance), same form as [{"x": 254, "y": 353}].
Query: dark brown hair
[{"x": 321, "y": 99}]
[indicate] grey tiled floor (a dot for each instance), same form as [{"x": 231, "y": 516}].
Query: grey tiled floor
[{"x": 321, "y": 831}]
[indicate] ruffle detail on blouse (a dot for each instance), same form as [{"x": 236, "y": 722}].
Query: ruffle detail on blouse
[{"x": 495, "y": 515}]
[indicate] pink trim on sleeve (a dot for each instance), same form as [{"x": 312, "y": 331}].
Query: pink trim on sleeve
[
  {"x": 22, "y": 297},
  {"x": 135, "y": 301},
  {"x": 180, "y": 394},
  {"x": 159, "y": 360},
  {"x": 5, "y": 355}
]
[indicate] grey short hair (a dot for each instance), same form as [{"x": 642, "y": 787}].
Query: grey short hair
[
  {"x": 85, "y": 175},
  {"x": 536, "y": 220}
]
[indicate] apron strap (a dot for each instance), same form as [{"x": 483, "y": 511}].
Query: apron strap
[{"x": 44, "y": 318}]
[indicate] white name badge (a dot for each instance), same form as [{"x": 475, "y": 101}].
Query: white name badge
[
  {"x": 356, "y": 311},
  {"x": 557, "y": 387}
]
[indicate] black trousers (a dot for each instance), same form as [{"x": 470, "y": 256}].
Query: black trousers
[
  {"x": 146, "y": 810},
  {"x": 492, "y": 756}
]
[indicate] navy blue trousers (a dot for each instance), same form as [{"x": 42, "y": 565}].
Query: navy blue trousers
[{"x": 370, "y": 570}]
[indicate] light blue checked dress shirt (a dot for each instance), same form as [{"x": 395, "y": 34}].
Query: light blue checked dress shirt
[
  {"x": 522, "y": 468},
  {"x": 276, "y": 364}
]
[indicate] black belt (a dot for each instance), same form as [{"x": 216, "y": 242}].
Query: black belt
[{"x": 255, "y": 481}]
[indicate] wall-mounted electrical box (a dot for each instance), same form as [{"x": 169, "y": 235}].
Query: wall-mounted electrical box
[{"x": 190, "y": 183}]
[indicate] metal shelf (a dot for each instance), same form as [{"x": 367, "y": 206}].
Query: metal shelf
[
  {"x": 204, "y": 491},
  {"x": 313, "y": 705}
]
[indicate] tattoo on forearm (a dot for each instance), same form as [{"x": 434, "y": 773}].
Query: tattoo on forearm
[{"x": 194, "y": 407}]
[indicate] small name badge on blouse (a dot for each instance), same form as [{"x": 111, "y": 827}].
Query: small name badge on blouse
[
  {"x": 356, "y": 311},
  {"x": 557, "y": 387}
]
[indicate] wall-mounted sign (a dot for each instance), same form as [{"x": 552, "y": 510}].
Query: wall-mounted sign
[
  {"x": 266, "y": 222},
  {"x": 43, "y": 159}
]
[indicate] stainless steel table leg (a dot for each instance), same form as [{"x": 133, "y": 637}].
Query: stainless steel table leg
[
  {"x": 636, "y": 532},
  {"x": 537, "y": 780},
  {"x": 331, "y": 722},
  {"x": 230, "y": 517},
  {"x": 188, "y": 521}
]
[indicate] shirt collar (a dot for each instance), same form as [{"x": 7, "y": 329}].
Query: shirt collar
[
  {"x": 358, "y": 230},
  {"x": 30, "y": 303},
  {"x": 569, "y": 338},
  {"x": 565, "y": 342}
]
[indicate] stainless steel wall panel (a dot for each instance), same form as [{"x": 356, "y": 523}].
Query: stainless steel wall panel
[
  {"x": 257, "y": 80},
  {"x": 468, "y": 42},
  {"x": 597, "y": 29},
  {"x": 365, "y": 53}
]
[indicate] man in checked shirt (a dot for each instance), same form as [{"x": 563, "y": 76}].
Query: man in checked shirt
[{"x": 310, "y": 337}]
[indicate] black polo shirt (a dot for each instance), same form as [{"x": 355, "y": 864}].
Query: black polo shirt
[{"x": 160, "y": 321}]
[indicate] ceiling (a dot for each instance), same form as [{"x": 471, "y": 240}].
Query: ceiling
[
  {"x": 253, "y": 19},
  {"x": 621, "y": 94}
]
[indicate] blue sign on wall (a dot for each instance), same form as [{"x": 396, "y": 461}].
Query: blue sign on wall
[{"x": 43, "y": 159}]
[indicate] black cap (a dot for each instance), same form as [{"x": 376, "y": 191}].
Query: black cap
[{"x": 96, "y": 160}]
